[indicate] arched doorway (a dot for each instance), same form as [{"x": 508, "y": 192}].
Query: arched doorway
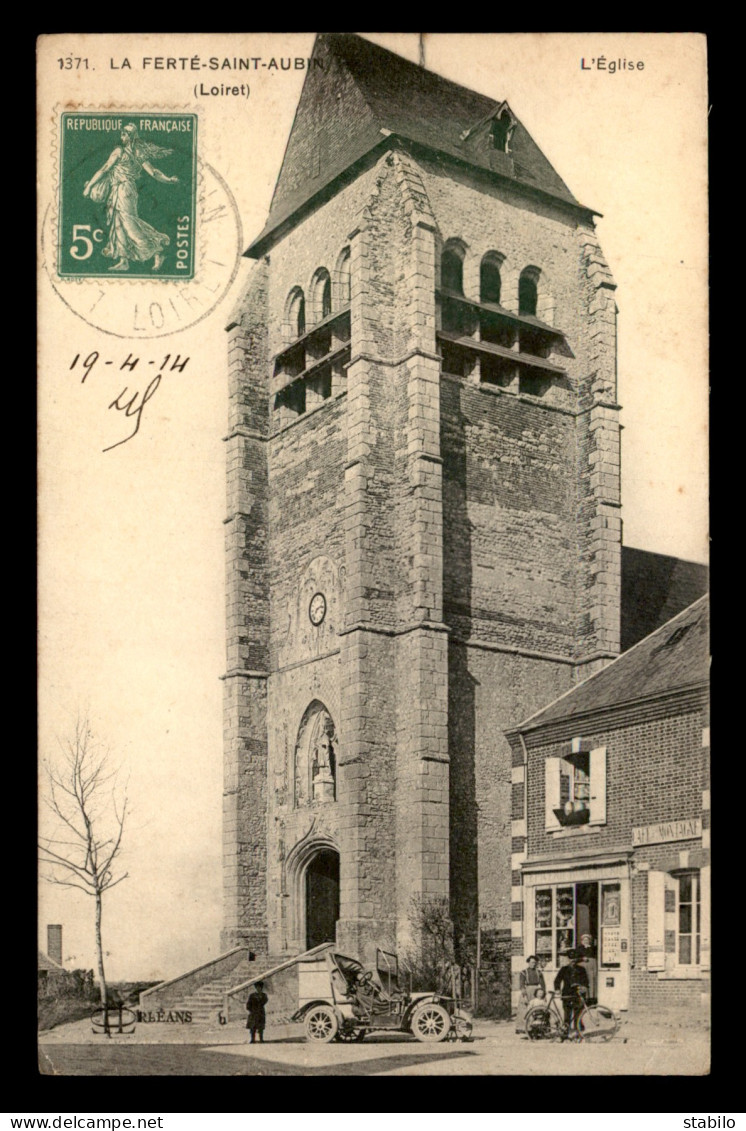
[{"x": 322, "y": 897}]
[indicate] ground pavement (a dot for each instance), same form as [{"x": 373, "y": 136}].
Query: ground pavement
[{"x": 497, "y": 1050}]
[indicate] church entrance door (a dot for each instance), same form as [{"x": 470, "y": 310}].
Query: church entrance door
[{"x": 322, "y": 897}]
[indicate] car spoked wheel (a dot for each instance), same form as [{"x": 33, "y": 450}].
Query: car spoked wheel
[
  {"x": 431, "y": 1023},
  {"x": 321, "y": 1024}
]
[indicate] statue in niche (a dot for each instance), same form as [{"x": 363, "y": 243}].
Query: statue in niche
[{"x": 323, "y": 759}]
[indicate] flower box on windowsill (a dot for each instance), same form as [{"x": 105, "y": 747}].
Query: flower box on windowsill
[{"x": 576, "y": 817}]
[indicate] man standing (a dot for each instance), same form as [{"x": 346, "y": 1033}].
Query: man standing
[
  {"x": 256, "y": 1020},
  {"x": 572, "y": 984}
]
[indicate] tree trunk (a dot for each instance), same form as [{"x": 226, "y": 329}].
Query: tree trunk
[{"x": 100, "y": 957}]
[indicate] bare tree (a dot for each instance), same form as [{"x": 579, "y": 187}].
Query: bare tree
[
  {"x": 89, "y": 808},
  {"x": 431, "y": 954}
]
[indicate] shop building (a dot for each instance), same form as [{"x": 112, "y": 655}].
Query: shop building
[{"x": 611, "y": 823}]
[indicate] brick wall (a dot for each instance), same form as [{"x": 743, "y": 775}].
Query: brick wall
[
  {"x": 653, "y": 772},
  {"x": 656, "y": 771}
]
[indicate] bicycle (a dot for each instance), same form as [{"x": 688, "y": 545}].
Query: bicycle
[{"x": 590, "y": 1022}]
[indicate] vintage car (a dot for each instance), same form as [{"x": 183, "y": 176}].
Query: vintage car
[{"x": 340, "y": 1000}]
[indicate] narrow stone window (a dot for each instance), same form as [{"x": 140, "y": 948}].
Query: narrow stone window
[
  {"x": 296, "y": 320},
  {"x": 528, "y": 291},
  {"x": 342, "y": 278},
  {"x": 321, "y": 295},
  {"x": 452, "y": 271},
  {"x": 490, "y": 283}
]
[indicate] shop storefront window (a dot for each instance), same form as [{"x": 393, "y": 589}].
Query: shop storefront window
[{"x": 554, "y": 923}]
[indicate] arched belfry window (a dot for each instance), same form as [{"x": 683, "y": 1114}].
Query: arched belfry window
[
  {"x": 295, "y": 321},
  {"x": 528, "y": 290},
  {"x": 452, "y": 269},
  {"x": 343, "y": 280},
  {"x": 316, "y": 756},
  {"x": 490, "y": 283},
  {"x": 321, "y": 295}
]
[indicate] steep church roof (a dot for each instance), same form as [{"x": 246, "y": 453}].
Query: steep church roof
[
  {"x": 673, "y": 659},
  {"x": 358, "y": 96}
]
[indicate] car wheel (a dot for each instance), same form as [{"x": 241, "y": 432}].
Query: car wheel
[
  {"x": 431, "y": 1023},
  {"x": 321, "y": 1024}
]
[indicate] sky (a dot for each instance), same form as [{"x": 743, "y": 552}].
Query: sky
[{"x": 131, "y": 600}]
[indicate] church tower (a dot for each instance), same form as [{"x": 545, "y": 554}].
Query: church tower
[{"x": 423, "y": 523}]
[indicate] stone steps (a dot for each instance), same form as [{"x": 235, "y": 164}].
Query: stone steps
[{"x": 206, "y": 1003}]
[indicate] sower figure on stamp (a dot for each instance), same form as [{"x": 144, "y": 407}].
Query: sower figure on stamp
[
  {"x": 116, "y": 184},
  {"x": 256, "y": 1020}
]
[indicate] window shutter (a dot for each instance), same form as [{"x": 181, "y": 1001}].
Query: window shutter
[
  {"x": 704, "y": 941},
  {"x": 552, "y": 791},
  {"x": 598, "y": 786},
  {"x": 656, "y": 921}
]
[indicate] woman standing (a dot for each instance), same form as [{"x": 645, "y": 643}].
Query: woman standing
[
  {"x": 530, "y": 980},
  {"x": 116, "y": 184}
]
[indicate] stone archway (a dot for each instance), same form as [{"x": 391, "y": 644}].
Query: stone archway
[
  {"x": 322, "y": 897},
  {"x": 314, "y": 890}
]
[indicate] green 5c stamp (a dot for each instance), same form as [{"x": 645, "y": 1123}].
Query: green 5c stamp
[{"x": 128, "y": 203}]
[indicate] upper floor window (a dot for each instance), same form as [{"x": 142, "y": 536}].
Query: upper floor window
[
  {"x": 576, "y": 789},
  {"x": 528, "y": 291},
  {"x": 503, "y": 127}
]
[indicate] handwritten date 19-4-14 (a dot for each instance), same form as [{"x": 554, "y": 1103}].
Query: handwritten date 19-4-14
[{"x": 130, "y": 403}]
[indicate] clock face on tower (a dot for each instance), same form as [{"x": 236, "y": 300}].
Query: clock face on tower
[{"x": 317, "y": 608}]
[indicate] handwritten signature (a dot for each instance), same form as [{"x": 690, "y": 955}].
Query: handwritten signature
[{"x": 134, "y": 406}]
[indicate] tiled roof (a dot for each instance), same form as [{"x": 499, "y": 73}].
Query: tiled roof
[
  {"x": 655, "y": 588},
  {"x": 364, "y": 93},
  {"x": 47, "y": 963},
  {"x": 674, "y": 658}
]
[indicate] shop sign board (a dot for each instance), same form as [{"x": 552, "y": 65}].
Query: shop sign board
[{"x": 687, "y": 829}]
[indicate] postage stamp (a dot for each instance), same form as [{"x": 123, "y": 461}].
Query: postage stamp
[{"x": 127, "y": 203}]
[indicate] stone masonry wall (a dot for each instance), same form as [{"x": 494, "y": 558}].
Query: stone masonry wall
[
  {"x": 488, "y": 693},
  {"x": 247, "y": 626},
  {"x": 449, "y": 516},
  {"x": 536, "y": 451}
]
